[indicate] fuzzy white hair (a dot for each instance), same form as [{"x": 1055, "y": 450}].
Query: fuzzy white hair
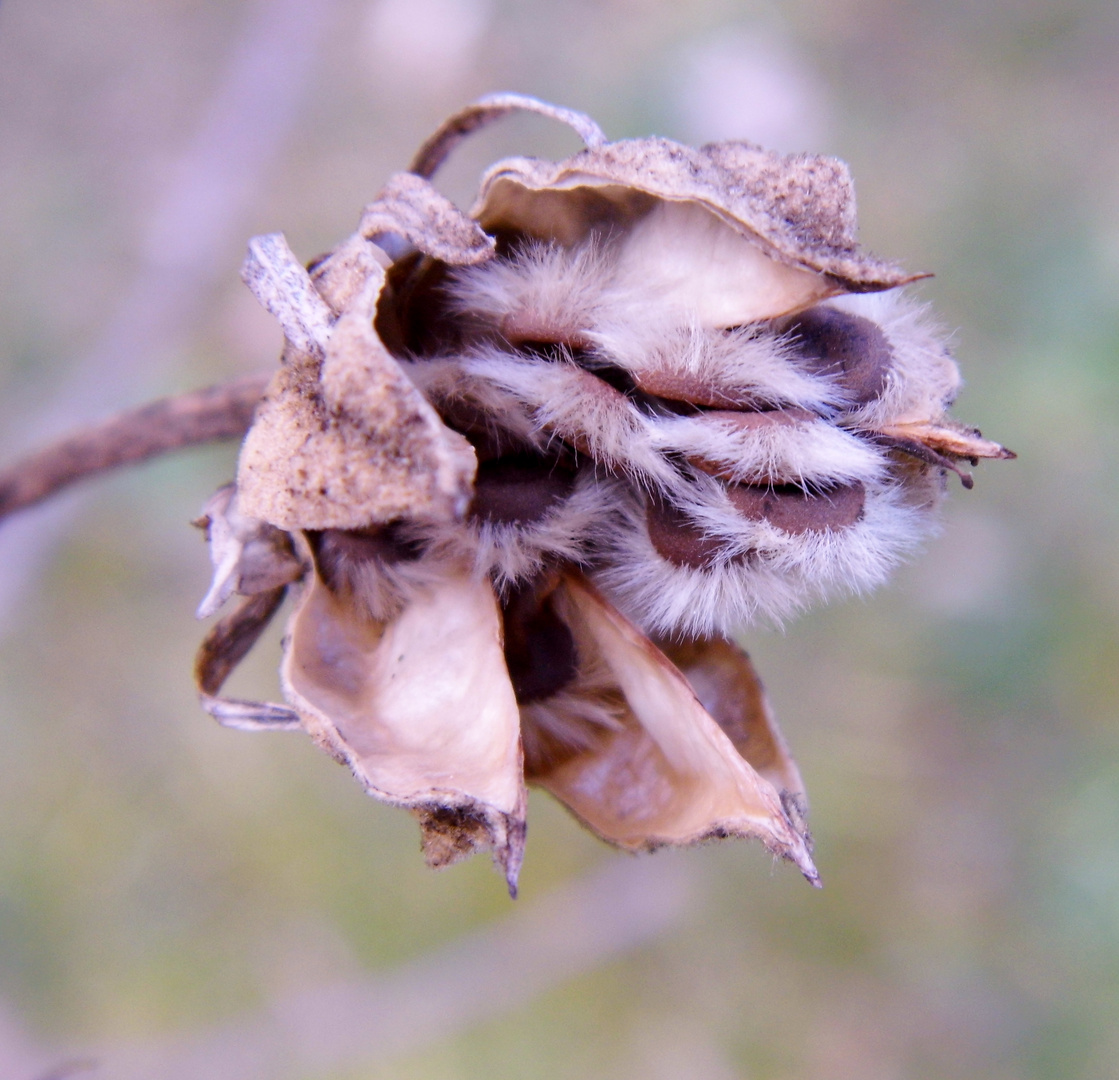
[
  {"x": 739, "y": 364},
  {"x": 542, "y": 292},
  {"x": 799, "y": 430},
  {"x": 806, "y": 452},
  {"x": 513, "y": 552},
  {"x": 923, "y": 380},
  {"x": 762, "y": 573}
]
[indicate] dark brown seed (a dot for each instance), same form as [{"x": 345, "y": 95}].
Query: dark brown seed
[
  {"x": 684, "y": 386},
  {"x": 679, "y": 539},
  {"x": 796, "y": 511},
  {"x": 849, "y": 348},
  {"x": 519, "y": 488},
  {"x": 539, "y": 649}
]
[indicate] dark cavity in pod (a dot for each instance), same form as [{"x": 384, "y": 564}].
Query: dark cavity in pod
[
  {"x": 339, "y": 552},
  {"x": 519, "y": 489},
  {"x": 539, "y": 648}
]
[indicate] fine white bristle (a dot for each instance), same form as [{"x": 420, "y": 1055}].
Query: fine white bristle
[
  {"x": 636, "y": 429},
  {"x": 765, "y": 574},
  {"x": 806, "y": 452},
  {"x": 541, "y": 293},
  {"x": 924, "y": 379}
]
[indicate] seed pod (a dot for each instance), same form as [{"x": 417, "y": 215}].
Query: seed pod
[{"x": 527, "y": 469}]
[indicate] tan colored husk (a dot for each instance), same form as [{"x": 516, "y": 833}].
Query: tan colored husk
[
  {"x": 667, "y": 773},
  {"x": 421, "y": 709},
  {"x": 349, "y": 440},
  {"x": 800, "y": 210},
  {"x": 342, "y": 438},
  {"x": 723, "y": 678},
  {"x": 420, "y": 704}
]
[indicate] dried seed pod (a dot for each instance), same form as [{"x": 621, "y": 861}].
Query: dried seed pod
[{"x": 635, "y": 397}]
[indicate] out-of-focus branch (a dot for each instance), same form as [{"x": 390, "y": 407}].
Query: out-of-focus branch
[
  {"x": 483, "y": 975},
  {"x": 200, "y": 416}
]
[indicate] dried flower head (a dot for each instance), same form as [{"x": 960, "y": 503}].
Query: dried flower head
[{"x": 528, "y": 468}]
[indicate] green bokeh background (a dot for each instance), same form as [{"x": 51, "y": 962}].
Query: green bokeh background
[{"x": 958, "y": 731}]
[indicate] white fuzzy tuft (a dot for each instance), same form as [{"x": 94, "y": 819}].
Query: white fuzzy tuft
[
  {"x": 766, "y": 574},
  {"x": 541, "y": 292},
  {"x": 741, "y": 362},
  {"x": 923, "y": 380},
  {"x": 807, "y": 452}
]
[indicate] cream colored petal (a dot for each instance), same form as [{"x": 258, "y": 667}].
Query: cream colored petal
[
  {"x": 350, "y": 442},
  {"x": 666, "y": 773},
  {"x": 728, "y": 687},
  {"x": 421, "y": 709}
]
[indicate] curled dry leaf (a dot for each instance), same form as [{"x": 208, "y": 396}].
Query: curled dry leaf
[{"x": 528, "y": 469}]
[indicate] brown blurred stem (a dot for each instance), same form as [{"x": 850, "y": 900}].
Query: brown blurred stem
[{"x": 200, "y": 416}]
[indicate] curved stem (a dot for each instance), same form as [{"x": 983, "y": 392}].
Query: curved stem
[{"x": 217, "y": 412}]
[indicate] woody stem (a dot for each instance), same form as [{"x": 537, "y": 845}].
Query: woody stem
[{"x": 217, "y": 412}]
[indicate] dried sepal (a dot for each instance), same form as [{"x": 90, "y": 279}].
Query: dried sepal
[
  {"x": 723, "y": 678},
  {"x": 421, "y": 709},
  {"x": 223, "y": 648},
  {"x": 661, "y": 771},
  {"x": 284, "y": 288},
  {"x": 799, "y": 210},
  {"x": 349, "y": 440},
  {"x": 249, "y": 555},
  {"x": 410, "y": 208}
]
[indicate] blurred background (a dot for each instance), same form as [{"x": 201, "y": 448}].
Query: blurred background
[{"x": 178, "y": 900}]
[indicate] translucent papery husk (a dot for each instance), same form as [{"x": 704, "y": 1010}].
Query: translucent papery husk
[
  {"x": 663, "y": 772},
  {"x": 421, "y": 709}
]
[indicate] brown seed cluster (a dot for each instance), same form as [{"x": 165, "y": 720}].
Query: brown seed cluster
[{"x": 526, "y": 469}]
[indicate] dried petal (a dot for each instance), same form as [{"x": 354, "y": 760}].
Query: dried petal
[
  {"x": 277, "y": 279},
  {"x": 420, "y": 708},
  {"x": 410, "y": 207},
  {"x": 949, "y": 438},
  {"x": 666, "y": 774}
]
